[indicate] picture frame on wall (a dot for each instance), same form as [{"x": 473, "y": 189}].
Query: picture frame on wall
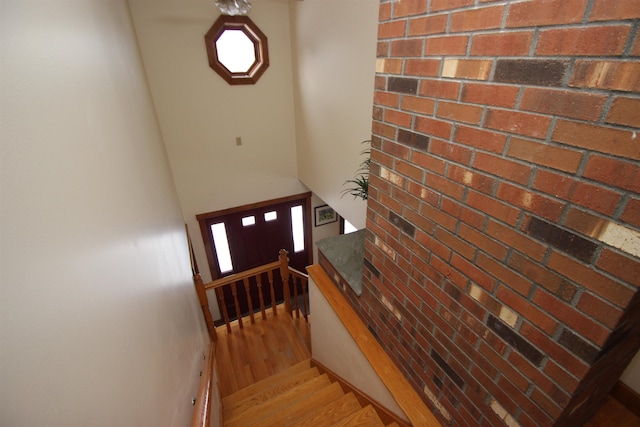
[{"x": 324, "y": 215}]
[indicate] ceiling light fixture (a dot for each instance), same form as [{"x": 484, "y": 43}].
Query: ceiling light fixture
[{"x": 233, "y": 7}]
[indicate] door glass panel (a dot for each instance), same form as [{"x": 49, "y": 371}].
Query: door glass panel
[
  {"x": 271, "y": 216},
  {"x": 297, "y": 227},
  {"x": 221, "y": 243},
  {"x": 248, "y": 220}
]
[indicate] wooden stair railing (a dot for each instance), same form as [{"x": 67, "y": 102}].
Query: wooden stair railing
[{"x": 239, "y": 282}]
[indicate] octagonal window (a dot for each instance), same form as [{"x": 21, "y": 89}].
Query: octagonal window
[{"x": 237, "y": 49}]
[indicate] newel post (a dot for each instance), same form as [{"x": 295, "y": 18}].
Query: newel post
[
  {"x": 204, "y": 304},
  {"x": 284, "y": 273}
]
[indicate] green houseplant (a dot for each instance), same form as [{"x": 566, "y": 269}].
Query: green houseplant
[{"x": 359, "y": 186}]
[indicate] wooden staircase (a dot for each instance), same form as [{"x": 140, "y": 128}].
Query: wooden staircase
[{"x": 298, "y": 396}]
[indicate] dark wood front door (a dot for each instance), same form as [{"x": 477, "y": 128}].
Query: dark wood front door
[{"x": 255, "y": 234}]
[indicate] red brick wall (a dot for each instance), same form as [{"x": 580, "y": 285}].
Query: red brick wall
[{"x": 502, "y": 263}]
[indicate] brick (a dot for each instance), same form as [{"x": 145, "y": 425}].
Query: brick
[
  {"x": 384, "y": 12},
  {"x": 428, "y": 162},
  {"x": 457, "y": 153},
  {"x": 405, "y": 198},
  {"x": 502, "y": 44},
  {"x": 391, "y": 148},
  {"x": 606, "y": 10},
  {"x": 503, "y": 167},
  {"x": 425, "y": 25},
  {"x": 383, "y": 130},
  {"x": 388, "y": 66},
  {"x": 380, "y": 82},
  {"x": 542, "y": 276},
  {"x": 481, "y": 182},
  {"x": 489, "y": 94},
  {"x": 434, "y": 127},
  {"x": 480, "y": 138},
  {"x": 600, "y": 199},
  {"x": 445, "y": 186},
  {"x": 584, "y": 222},
  {"x": 505, "y": 368},
  {"x": 583, "y": 41},
  {"x": 516, "y": 240},
  {"x": 616, "y": 172},
  {"x": 410, "y": 171},
  {"x": 392, "y": 29},
  {"x": 397, "y": 118},
  {"x": 563, "y": 103},
  {"x": 615, "y": 75},
  {"x": 560, "y": 355},
  {"x": 540, "y": 72},
  {"x": 516, "y": 341},
  {"x": 492, "y": 207},
  {"x": 601, "y": 285},
  {"x": 578, "y": 346},
  {"x": 417, "y": 104},
  {"x": 474, "y": 273},
  {"x": 424, "y": 224},
  {"x": 476, "y": 19},
  {"x": 538, "y": 204},
  {"x": 437, "y": 5},
  {"x": 566, "y": 241},
  {"x": 482, "y": 241},
  {"x": 474, "y": 69},
  {"x": 631, "y": 213},
  {"x": 607, "y": 140},
  {"x": 555, "y": 157},
  {"x": 623, "y": 267},
  {"x": 406, "y": 47},
  {"x": 422, "y": 67},
  {"x": 624, "y": 111},
  {"x": 459, "y": 112},
  {"x": 571, "y": 317},
  {"x": 515, "y": 122},
  {"x": 599, "y": 310},
  {"x": 437, "y": 216},
  {"x": 526, "y": 310},
  {"x": 563, "y": 378},
  {"x": 446, "y": 45},
  {"x": 547, "y": 404},
  {"x": 536, "y": 13},
  {"x": 403, "y": 85},
  {"x": 456, "y": 244},
  {"x": 439, "y": 89},
  {"x": 386, "y": 98},
  {"x": 407, "y": 8},
  {"x": 414, "y": 140},
  {"x": 504, "y": 274}
]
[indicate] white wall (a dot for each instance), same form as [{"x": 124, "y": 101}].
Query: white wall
[
  {"x": 334, "y": 66},
  {"x": 334, "y": 347},
  {"x": 201, "y": 115},
  {"x": 99, "y": 322}
]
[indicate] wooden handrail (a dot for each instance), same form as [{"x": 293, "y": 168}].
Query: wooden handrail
[
  {"x": 241, "y": 282},
  {"x": 202, "y": 409},
  {"x": 405, "y": 396},
  {"x": 240, "y": 276}
]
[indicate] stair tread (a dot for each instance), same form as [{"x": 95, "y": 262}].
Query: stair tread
[
  {"x": 332, "y": 412},
  {"x": 269, "y": 392},
  {"x": 365, "y": 417},
  {"x": 299, "y": 409},
  {"x": 278, "y": 403},
  {"x": 262, "y": 384}
]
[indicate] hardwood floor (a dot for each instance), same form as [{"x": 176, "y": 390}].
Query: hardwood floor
[
  {"x": 269, "y": 346},
  {"x": 258, "y": 351}
]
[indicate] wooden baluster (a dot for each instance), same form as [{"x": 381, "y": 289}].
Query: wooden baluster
[
  {"x": 305, "y": 285},
  {"x": 223, "y": 307},
  {"x": 204, "y": 304},
  {"x": 234, "y": 291},
  {"x": 273, "y": 293},
  {"x": 246, "y": 288},
  {"x": 284, "y": 273},
  {"x": 295, "y": 295},
  {"x": 261, "y": 297}
]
